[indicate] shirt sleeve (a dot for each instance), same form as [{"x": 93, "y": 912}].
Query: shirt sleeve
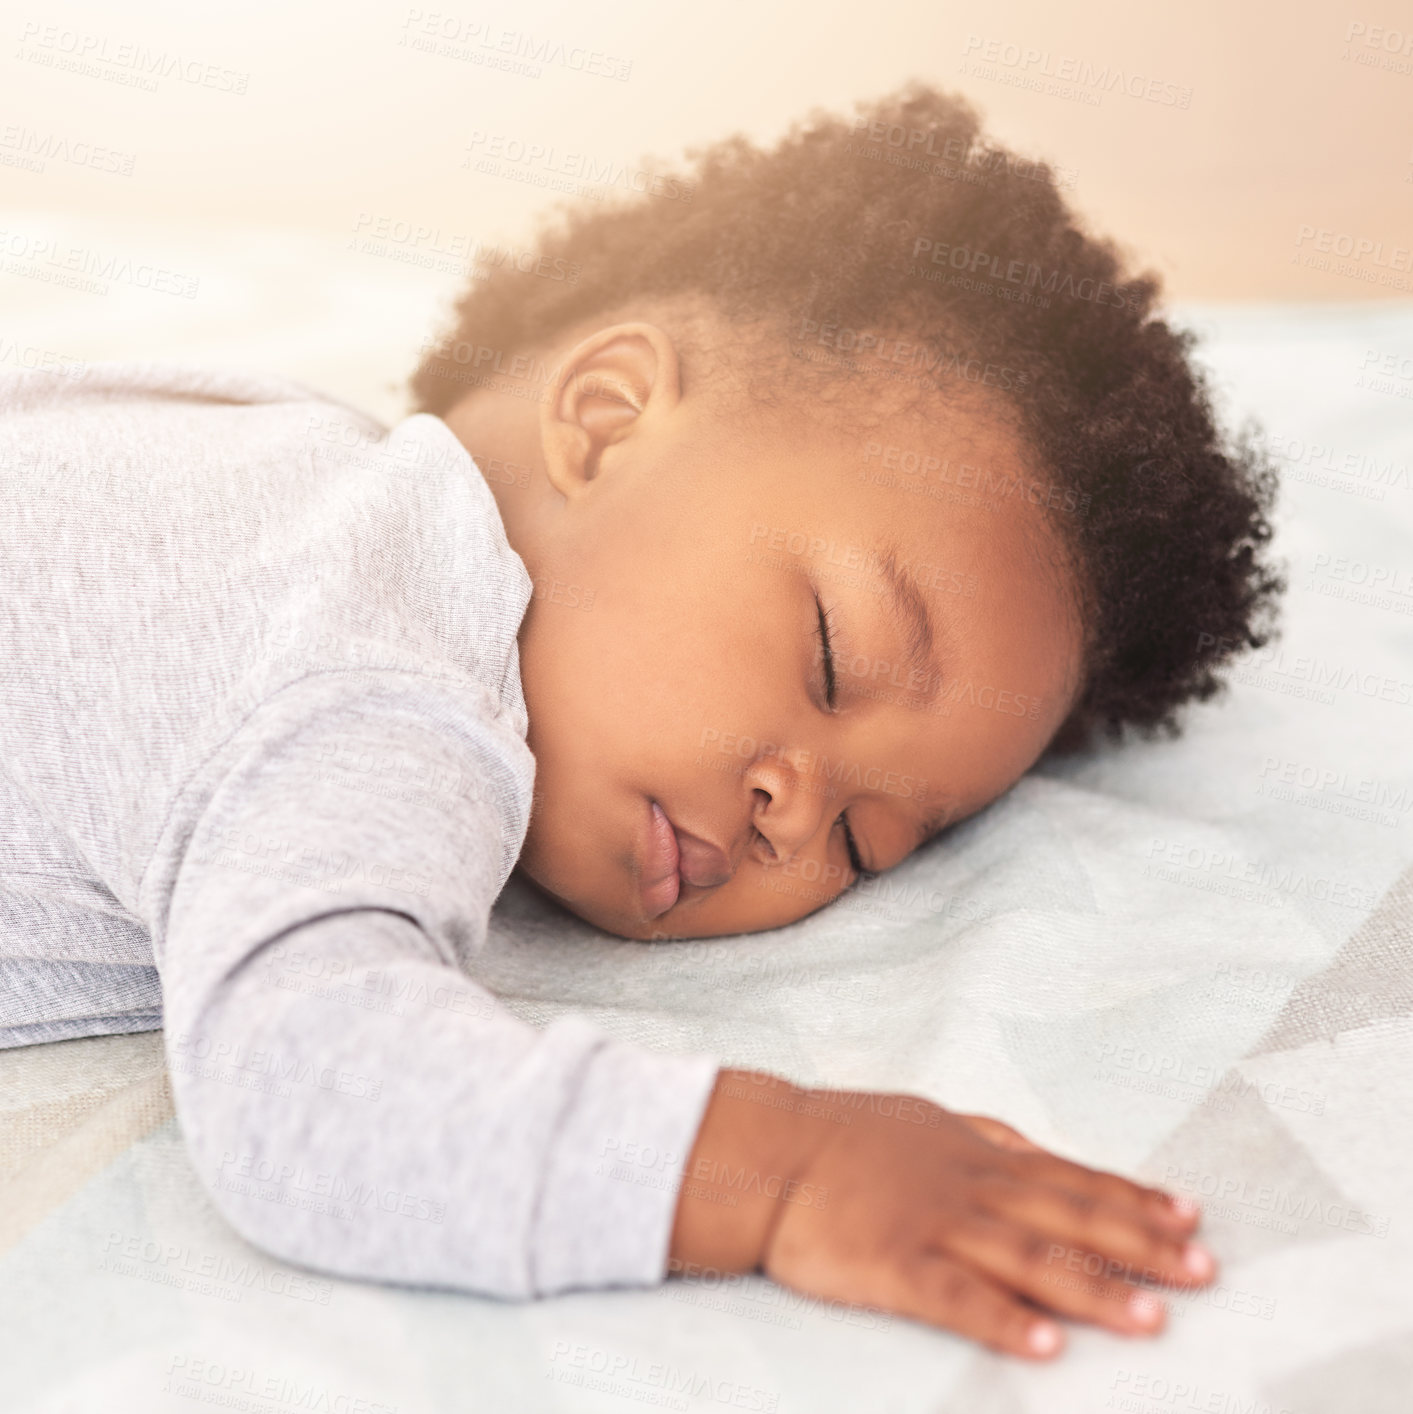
[{"x": 350, "y": 1097}]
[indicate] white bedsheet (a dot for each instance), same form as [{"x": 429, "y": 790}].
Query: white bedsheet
[{"x": 1129, "y": 957}]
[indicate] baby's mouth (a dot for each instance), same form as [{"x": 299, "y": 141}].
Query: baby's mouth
[
  {"x": 675, "y": 858},
  {"x": 660, "y": 882}
]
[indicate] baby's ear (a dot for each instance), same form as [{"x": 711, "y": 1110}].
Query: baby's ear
[{"x": 605, "y": 385}]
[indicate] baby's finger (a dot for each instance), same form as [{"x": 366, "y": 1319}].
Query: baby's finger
[
  {"x": 1089, "y": 1224},
  {"x": 1083, "y": 1285},
  {"x": 947, "y": 1293},
  {"x": 1175, "y": 1215},
  {"x": 1174, "y": 1211}
]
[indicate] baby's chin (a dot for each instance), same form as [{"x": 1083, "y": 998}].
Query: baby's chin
[{"x": 649, "y": 930}]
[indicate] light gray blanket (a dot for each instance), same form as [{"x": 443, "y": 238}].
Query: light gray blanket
[{"x": 1188, "y": 961}]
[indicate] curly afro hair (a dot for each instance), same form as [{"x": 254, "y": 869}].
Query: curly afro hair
[{"x": 908, "y": 218}]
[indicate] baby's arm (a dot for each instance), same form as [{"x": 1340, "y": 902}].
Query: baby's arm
[
  {"x": 351, "y": 1098},
  {"x": 356, "y": 1103}
]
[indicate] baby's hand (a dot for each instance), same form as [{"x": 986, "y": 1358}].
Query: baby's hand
[{"x": 891, "y": 1202}]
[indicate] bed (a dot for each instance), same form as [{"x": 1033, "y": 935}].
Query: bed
[{"x": 1190, "y": 961}]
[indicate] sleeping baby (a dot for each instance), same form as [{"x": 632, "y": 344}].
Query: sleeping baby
[{"x": 740, "y": 544}]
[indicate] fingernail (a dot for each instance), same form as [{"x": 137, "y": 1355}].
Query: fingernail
[
  {"x": 1044, "y": 1338},
  {"x": 1197, "y": 1261},
  {"x": 1145, "y": 1309},
  {"x": 1183, "y": 1207}
]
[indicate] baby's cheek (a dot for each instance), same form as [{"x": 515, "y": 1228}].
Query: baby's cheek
[{"x": 760, "y": 898}]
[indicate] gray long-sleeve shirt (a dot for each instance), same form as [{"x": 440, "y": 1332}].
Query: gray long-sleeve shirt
[{"x": 263, "y": 772}]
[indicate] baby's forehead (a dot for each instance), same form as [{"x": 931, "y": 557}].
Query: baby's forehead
[
  {"x": 950, "y": 501},
  {"x": 960, "y": 474},
  {"x": 940, "y": 480},
  {"x": 916, "y": 430}
]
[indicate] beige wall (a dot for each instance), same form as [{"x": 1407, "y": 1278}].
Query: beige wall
[{"x": 1265, "y": 121}]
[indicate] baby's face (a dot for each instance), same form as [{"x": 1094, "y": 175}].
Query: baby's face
[{"x": 761, "y": 651}]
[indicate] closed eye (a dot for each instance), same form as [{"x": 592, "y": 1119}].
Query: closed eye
[
  {"x": 826, "y": 648},
  {"x": 854, "y": 860}
]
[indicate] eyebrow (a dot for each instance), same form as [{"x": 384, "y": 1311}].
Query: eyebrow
[
  {"x": 907, "y": 610},
  {"x": 930, "y": 825}
]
